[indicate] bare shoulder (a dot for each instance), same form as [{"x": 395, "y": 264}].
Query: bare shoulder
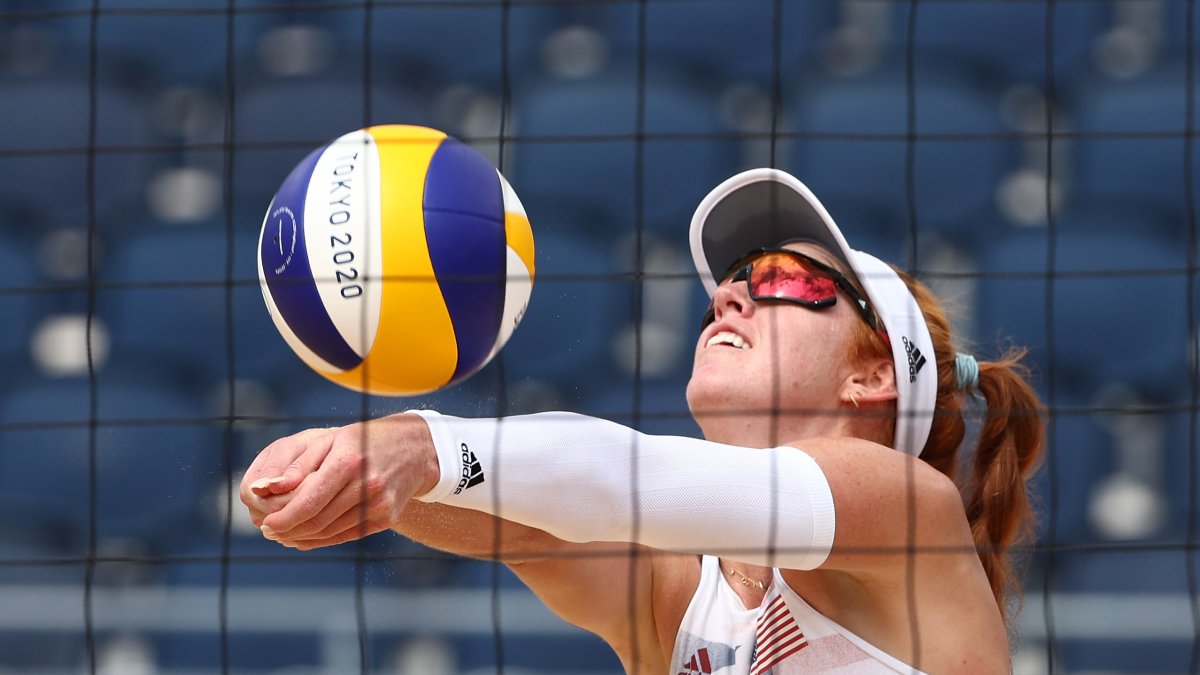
[
  {"x": 886, "y": 503},
  {"x": 903, "y": 562}
]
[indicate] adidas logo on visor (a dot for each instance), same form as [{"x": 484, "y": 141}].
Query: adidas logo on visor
[{"x": 916, "y": 360}]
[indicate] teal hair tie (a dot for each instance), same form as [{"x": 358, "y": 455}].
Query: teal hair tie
[{"x": 967, "y": 370}]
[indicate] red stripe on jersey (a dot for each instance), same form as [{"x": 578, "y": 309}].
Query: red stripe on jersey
[{"x": 776, "y": 636}]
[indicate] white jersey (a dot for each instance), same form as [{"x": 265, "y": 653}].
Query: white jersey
[{"x": 783, "y": 636}]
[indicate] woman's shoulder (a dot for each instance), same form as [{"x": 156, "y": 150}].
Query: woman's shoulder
[{"x": 878, "y": 494}]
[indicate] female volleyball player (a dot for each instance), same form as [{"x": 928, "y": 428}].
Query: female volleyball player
[{"x": 817, "y": 529}]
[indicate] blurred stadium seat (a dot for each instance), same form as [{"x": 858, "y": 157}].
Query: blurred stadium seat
[
  {"x": 18, "y": 301},
  {"x": 32, "y": 651},
  {"x": 577, "y": 306},
  {"x": 170, "y": 306},
  {"x": 1131, "y": 148},
  {"x": 1150, "y": 583},
  {"x": 577, "y": 154},
  {"x": 851, "y": 145},
  {"x": 1171, "y": 27},
  {"x": 662, "y": 405},
  {"x": 311, "y": 599},
  {"x": 248, "y": 652},
  {"x": 1079, "y": 455},
  {"x": 158, "y": 48},
  {"x": 152, "y": 446},
  {"x": 45, "y": 124},
  {"x": 460, "y": 42},
  {"x": 317, "y": 110},
  {"x": 1181, "y": 469},
  {"x": 578, "y": 653},
  {"x": 1004, "y": 41},
  {"x": 1109, "y": 288},
  {"x": 719, "y": 41},
  {"x": 311, "y": 400},
  {"x": 1100, "y": 215}
]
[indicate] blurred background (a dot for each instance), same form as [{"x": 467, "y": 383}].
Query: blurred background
[{"x": 1031, "y": 161}]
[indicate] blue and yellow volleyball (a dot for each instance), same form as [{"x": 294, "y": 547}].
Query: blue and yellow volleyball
[{"x": 396, "y": 260}]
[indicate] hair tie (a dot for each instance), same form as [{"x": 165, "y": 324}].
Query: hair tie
[{"x": 967, "y": 370}]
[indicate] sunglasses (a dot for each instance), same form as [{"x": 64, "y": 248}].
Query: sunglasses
[{"x": 790, "y": 276}]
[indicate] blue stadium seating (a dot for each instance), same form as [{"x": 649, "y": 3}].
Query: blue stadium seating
[
  {"x": 18, "y": 307},
  {"x": 1179, "y": 467},
  {"x": 166, "y": 48},
  {"x": 851, "y": 145},
  {"x": 310, "y": 586},
  {"x": 48, "y": 118},
  {"x": 577, "y": 147},
  {"x": 1100, "y": 319},
  {"x": 578, "y": 652},
  {"x": 1079, "y": 454},
  {"x": 1101, "y": 214},
  {"x": 663, "y": 408},
  {"x": 31, "y": 651},
  {"x": 1174, "y": 29},
  {"x": 173, "y": 311},
  {"x": 151, "y": 448},
  {"x": 1131, "y": 149},
  {"x": 311, "y": 400},
  {"x": 721, "y": 40},
  {"x": 576, "y": 309},
  {"x": 1157, "y": 578},
  {"x": 460, "y": 42},
  {"x": 868, "y": 226},
  {"x": 1003, "y": 41},
  {"x": 281, "y": 120}
]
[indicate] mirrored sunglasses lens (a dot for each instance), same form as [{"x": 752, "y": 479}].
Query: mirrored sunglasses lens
[{"x": 782, "y": 276}]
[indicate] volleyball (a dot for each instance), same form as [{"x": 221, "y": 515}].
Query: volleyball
[{"x": 396, "y": 260}]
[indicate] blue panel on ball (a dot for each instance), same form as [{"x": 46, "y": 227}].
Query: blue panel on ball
[
  {"x": 289, "y": 276},
  {"x": 469, "y": 260},
  {"x": 464, "y": 225},
  {"x": 460, "y": 179}
]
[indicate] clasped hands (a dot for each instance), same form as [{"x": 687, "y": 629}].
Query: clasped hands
[{"x": 323, "y": 487}]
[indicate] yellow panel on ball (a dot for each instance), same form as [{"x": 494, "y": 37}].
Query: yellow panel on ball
[
  {"x": 520, "y": 238},
  {"x": 415, "y": 350}
]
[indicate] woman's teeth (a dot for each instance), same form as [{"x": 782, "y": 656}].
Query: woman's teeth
[{"x": 727, "y": 338}]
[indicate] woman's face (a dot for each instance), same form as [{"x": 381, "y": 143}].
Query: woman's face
[{"x": 758, "y": 357}]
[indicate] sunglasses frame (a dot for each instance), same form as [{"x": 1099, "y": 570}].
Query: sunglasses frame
[{"x": 741, "y": 268}]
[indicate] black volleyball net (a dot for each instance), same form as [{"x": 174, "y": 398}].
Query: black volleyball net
[{"x": 1031, "y": 160}]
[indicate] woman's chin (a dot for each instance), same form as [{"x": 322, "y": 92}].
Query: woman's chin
[{"x": 707, "y": 398}]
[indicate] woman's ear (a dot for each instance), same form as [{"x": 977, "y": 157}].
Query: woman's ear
[{"x": 873, "y": 382}]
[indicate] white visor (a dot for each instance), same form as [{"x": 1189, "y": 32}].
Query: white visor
[{"x": 766, "y": 207}]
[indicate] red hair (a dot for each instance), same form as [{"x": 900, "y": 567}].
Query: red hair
[{"x": 1010, "y": 444}]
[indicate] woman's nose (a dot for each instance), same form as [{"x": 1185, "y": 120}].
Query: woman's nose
[{"x": 732, "y": 297}]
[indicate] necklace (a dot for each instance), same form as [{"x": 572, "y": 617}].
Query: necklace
[{"x": 745, "y": 580}]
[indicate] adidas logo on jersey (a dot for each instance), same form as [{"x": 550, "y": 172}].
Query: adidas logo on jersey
[
  {"x": 916, "y": 360},
  {"x": 472, "y": 470},
  {"x": 704, "y": 662}
]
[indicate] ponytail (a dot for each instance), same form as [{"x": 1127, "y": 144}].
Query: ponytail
[
  {"x": 1009, "y": 446},
  {"x": 1008, "y": 451}
]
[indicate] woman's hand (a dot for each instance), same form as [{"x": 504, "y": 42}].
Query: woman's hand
[{"x": 323, "y": 487}]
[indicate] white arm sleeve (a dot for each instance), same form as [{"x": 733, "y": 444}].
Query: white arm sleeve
[{"x": 584, "y": 479}]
